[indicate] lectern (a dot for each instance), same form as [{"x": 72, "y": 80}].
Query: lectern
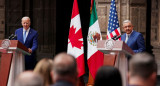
[
  {"x": 12, "y": 61},
  {"x": 116, "y": 54}
]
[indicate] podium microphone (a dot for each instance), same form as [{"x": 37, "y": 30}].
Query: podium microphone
[
  {"x": 10, "y": 36},
  {"x": 118, "y": 37},
  {"x": 114, "y": 37},
  {"x": 13, "y": 37}
]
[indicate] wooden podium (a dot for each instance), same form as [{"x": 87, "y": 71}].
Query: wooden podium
[
  {"x": 116, "y": 55},
  {"x": 12, "y": 62}
]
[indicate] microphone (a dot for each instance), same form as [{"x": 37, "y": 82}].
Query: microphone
[
  {"x": 114, "y": 37},
  {"x": 15, "y": 36},
  {"x": 10, "y": 36},
  {"x": 118, "y": 37}
]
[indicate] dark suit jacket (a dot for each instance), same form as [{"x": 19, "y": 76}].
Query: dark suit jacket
[
  {"x": 31, "y": 42},
  {"x": 62, "y": 83},
  {"x": 135, "y": 41}
]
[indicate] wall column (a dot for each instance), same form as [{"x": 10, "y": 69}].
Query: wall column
[{"x": 2, "y": 19}]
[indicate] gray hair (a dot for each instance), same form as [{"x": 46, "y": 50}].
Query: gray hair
[
  {"x": 25, "y": 17},
  {"x": 127, "y": 21}
]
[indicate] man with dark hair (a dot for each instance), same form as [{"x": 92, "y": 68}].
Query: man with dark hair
[
  {"x": 108, "y": 76},
  {"x": 64, "y": 70},
  {"x": 142, "y": 70}
]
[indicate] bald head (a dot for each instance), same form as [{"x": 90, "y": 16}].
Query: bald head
[
  {"x": 65, "y": 65},
  {"x": 28, "y": 78},
  {"x": 64, "y": 59},
  {"x": 64, "y": 68}
]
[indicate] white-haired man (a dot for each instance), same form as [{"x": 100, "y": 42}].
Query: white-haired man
[
  {"x": 28, "y": 37},
  {"x": 132, "y": 38}
]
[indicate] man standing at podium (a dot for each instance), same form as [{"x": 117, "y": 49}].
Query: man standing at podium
[
  {"x": 132, "y": 38},
  {"x": 28, "y": 37}
]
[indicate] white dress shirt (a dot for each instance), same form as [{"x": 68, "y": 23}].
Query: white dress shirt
[
  {"x": 26, "y": 32},
  {"x": 127, "y": 36}
]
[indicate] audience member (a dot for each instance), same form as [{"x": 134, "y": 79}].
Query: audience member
[
  {"x": 108, "y": 76},
  {"x": 64, "y": 70},
  {"x": 142, "y": 70},
  {"x": 44, "y": 68},
  {"x": 29, "y": 78}
]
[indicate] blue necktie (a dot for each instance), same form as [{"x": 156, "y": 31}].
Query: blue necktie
[
  {"x": 24, "y": 36},
  {"x": 127, "y": 38}
]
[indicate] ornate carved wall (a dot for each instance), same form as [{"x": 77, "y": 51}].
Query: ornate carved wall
[
  {"x": 43, "y": 19},
  {"x": 2, "y": 19},
  {"x": 43, "y": 13},
  {"x": 155, "y": 30},
  {"x": 44, "y": 16},
  {"x": 138, "y": 15},
  {"x": 103, "y": 7},
  {"x": 134, "y": 10}
]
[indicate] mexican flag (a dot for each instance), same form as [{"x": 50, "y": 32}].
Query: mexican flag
[
  {"x": 75, "y": 39},
  {"x": 94, "y": 56}
]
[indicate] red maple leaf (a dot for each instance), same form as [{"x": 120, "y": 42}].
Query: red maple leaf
[{"x": 75, "y": 37}]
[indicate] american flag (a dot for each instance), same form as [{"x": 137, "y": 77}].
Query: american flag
[{"x": 113, "y": 24}]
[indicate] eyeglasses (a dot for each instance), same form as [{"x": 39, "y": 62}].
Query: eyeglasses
[{"x": 127, "y": 26}]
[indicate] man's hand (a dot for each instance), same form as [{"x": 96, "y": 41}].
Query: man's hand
[{"x": 29, "y": 50}]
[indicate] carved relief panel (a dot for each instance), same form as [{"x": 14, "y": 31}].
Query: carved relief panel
[
  {"x": 43, "y": 19},
  {"x": 103, "y": 8},
  {"x": 2, "y": 19},
  {"x": 13, "y": 16},
  {"x": 44, "y": 13},
  {"x": 155, "y": 23},
  {"x": 138, "y": 15},
  {"x": 155, "y": 30}
]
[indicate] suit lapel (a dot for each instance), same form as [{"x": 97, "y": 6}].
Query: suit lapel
[
  {"x": 29, "y": 34},
  {"x": 21, "y": 35},
  {"x": 131, "y": 38},
  {"x": 124, "y": 37}
]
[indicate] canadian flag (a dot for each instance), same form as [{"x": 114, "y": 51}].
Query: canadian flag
[{"x": 75, "y": 39}]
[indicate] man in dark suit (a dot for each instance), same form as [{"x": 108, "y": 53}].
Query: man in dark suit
[
  {"x": 28, "y": 37},
  {"x": 64, "y": 71},
  {"x": 132, "y": 38},
  {"x": 142, "y": 70}
]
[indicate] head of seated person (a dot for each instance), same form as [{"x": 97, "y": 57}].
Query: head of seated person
[{"x": 108, "y": 76}]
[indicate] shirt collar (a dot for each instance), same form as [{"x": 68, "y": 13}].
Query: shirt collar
[
  {"x": 129, "y": 34},
  {"x": 27, "y": 29}
]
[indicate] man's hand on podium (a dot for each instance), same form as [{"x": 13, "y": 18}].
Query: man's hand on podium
[{"x": 29, "y": 50}]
